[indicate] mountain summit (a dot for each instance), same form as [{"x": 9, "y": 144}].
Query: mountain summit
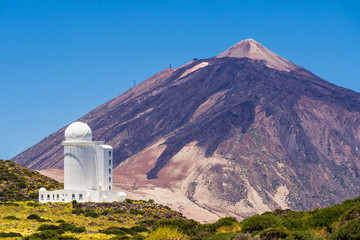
[
  {"x": 240, "y": 133},
  {"x": 252, "y": 49}
]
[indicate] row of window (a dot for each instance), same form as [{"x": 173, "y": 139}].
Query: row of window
[
  {"x": 73, "y": 196},
  {"x": 48, "y": 196}
]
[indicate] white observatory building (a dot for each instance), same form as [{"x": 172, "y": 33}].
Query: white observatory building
[{"x": 88, "y": 167}]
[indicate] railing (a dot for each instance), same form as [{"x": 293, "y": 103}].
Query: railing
[{"x": 83, "y": 143}]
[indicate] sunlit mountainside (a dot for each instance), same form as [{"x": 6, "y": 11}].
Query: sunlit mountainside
[{"x": 243, "y": 132}]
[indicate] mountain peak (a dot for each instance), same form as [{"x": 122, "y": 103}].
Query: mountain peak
[{"x": 252, "y": 49}]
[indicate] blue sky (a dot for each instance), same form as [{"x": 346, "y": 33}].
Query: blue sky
[{"x": 61, "y": 59}]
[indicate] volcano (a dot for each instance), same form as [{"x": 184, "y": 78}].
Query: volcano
[{"x": 243, "y": 132}]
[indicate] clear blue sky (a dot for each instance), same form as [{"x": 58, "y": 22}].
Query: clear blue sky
[{"x": 61, "y": 59}]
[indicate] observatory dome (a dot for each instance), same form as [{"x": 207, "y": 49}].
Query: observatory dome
[{"x": 78, "y": 132}]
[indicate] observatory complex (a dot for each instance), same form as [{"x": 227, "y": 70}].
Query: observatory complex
[{"x": 88, "y": 167}]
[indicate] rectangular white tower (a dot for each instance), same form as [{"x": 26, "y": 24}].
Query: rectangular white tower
[{"x": 104, "y": 155}]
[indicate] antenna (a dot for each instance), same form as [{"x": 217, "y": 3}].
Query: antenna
[
  {"x": 134, "y": 83},
  {"x": 170, "y": 65}
]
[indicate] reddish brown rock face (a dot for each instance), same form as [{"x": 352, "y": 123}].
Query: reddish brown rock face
[{"x": 228, "y": 135}]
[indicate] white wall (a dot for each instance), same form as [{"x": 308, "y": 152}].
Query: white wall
[
  {"x": 80, "y": 167},
  {"x": 105, "y": 161}
]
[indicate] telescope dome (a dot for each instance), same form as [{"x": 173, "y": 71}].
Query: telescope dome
[{"x": 78, "y": 132}]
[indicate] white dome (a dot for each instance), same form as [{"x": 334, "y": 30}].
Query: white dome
[{"x": 78, "y": 132}]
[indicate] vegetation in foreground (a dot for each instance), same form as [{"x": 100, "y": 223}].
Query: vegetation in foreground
[{"x": 147, "y": 220}]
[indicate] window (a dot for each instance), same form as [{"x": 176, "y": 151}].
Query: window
[
  {"x": 48, "y": 197},
  {"x": 109, "y": 170},
  {"x": 109, "y": 153},
  {"x": 109, "y": 187},
  {"x": 109, "y": 179},
  {"x": 57, "y": 196},
  {"x": 80, "y": 196},
  {"x": 42, "y": 196},
  {"x": 73, "y": 196},
  {"x": 109, "y": 161},
  {"x": 53, "y": 196}
]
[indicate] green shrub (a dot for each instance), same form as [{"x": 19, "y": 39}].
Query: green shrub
[
  {"x": 241, "y": 236},
  {"x": 259, "y": 223},
  {"x": 47, "y": 234},
  {"x": 11, "y": 218},
  {"x": 325, "y": 217},
  {"x": 47, "y": 227},
  {"x": 11, "y": 204},
  {"x": 66, "y": 237},
  {"x": 352, "y": 213},
  {"x": 105, "y": 212},
  {"x": 351, "y": 201},
  {"x": 226, "y": 221},
  {"x": 113, "y": 230},
  {"x": 138, "y": 237},
  {"x": 274, "y": 233},
  {"x": 128, "y": 200},
  {"x": 146, "y": 222},
  {"x": 222, "y": 236},
  {"x": 120, "y": 211},
  {"x": 190, "y": 227},
  {"x": 151, "y": 201},
  {"x": 294, "y": 224},
  {"x": 60, "y": 221},
  {"x": 43, "y": 220},
  {"x": 33, "y": 217},
  {"x": 78, "y": 229},
  {"x": 34, "y": 196},
  {"x": 139, "y": 229},
  {"x": 32, "y": 204},
  {"x": 120, "y": 237},
  {"x": 127, "y": 230},
  {"x": 136, "y": 212},
  {"x": 91, "y": 214},
  {"x": 67, "y": 227},
  {"x": 22, "y": 185},
  {"x": 19, "y": 198},
  {"x": 9, "y": 234},
  {"x": 304, "y": 235},
  {"x": 165, "y": 232},
  {"x": 350, "y": 231},
  {"x": 78, "y": 211}
]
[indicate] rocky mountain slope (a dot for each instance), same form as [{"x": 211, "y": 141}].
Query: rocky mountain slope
[{"x": 240, "y": 133}]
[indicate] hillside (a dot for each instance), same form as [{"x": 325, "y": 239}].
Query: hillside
[
  {"x": 240, "y": 133},
  {"x": 148, "y": 220},
  {"x": 20, "y": 183}
]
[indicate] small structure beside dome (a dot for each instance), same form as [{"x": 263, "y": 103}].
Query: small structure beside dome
[{"x": 88, "y": 169}]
